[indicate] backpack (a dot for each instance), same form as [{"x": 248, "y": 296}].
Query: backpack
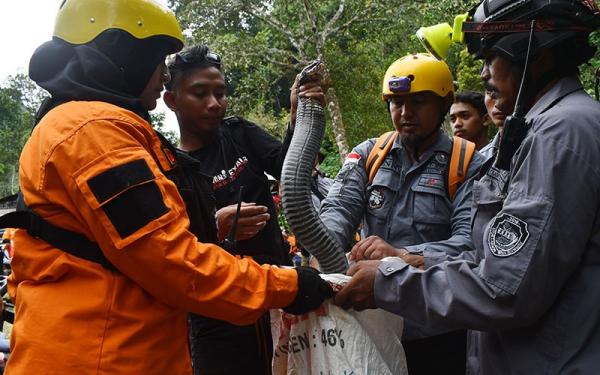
[{"x": 460, "y": 159}]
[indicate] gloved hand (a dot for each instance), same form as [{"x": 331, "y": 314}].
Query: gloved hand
[{"x": 312, "y": 291}]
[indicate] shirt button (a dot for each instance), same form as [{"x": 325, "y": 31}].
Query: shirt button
[{"x": 389, "y": 269}]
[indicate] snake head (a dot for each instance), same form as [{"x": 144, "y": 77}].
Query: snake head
[{"x": 315, "y": 68}]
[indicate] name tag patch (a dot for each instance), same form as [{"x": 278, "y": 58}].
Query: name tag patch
[
  {"x": 507, "y": 235},
  {"x": 431, "y": 181}
]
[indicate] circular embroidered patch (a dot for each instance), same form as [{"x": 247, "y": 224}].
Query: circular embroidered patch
[
  {"x": 376, "y": 198},
  {"x": 440, "y": 158},
  {"x": 507, "y": 235}
]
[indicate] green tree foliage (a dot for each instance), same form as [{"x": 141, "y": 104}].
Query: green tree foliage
[
  {"x": 13, "y": 119},
  {"x": 468, "y": 72},
  {"x": 19, "y": 100},
  {"x": 590, "y": 72},
  {"x": 157, "y": 119},
  {"x": 274, "y": 124},
  {"x": 265, "y": 43}
]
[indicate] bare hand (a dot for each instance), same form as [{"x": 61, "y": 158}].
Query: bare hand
[
  {"x": 252, "y": 219},
  {"x": 359, "y": 293},
  {"x": 373, "y": 247},
  {"x": 312, "y": 90}
]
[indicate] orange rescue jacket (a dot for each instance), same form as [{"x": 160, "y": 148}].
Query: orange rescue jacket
[{"x": 75, "y": 317}]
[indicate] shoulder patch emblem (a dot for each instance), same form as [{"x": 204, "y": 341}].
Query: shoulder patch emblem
[
  {"x": 440, "y": 158},
  {"x": 170, "y": 157},
  {"x": 376, "y": 199},
  {"x": 436, "y": 165},
  {"x": 352, "y": 158},
  {"x": 507, "y": 235}
]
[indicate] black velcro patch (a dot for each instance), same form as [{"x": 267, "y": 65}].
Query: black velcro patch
[
  {"x": 135, "y": 208},
  {"x": 113, "y": 181}
]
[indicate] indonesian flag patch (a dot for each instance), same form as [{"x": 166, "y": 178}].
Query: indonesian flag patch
[{"x": 352, "y": 158}]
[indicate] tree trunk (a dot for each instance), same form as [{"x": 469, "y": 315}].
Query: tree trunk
[
  {"x": 337, "y": 123},
  {"x": 333, "y": 105},
  {"x": 14, "y": 187}
]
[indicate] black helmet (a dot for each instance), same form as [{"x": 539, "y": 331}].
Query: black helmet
[{"x": 502, "y": 27}]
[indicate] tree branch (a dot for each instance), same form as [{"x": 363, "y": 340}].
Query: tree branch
[
  {"x": 310, "y": 16},
  {"x": 335, "y": 18},
  {"x": 272, "y": 60},
  {"x": 358, "y": 18},
  {"x": 271, "y": 51},
  {"x": 274, "y": 23}
]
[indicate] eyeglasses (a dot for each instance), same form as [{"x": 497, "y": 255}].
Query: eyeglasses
[{"x": 188, "y": 58}]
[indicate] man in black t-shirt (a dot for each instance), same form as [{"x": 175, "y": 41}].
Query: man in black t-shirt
[{"x": 235, "y": 153}]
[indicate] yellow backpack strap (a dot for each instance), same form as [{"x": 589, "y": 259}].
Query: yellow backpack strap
[
  {"x": 382, "y": 146},
  {"x": 462, "y": 153}
]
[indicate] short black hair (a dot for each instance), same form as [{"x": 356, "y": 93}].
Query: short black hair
[
  {"x": 197, "y": 56},
  {"x": 475, "y": 99}
]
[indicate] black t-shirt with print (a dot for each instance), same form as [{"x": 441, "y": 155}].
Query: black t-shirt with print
[{"x": 239, "y": 156}]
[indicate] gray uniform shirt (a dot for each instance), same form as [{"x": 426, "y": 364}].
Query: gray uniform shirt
[
  {"x": 489, "y": 151},
  {"x": 532, "y": 288},
  {"x": 406, "y": 204}
]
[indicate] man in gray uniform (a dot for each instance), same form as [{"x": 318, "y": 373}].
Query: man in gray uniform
[
  {"x": 406, "y": 209},
  {"x": 530, "y": 291}
]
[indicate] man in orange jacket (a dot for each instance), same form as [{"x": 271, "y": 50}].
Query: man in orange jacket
[{"x": 104, "y": 276}]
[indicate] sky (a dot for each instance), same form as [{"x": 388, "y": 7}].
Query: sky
[{"x": 26, "y": 24}]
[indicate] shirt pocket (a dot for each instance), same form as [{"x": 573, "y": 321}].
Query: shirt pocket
[
  {"x": 431, "y": 212},
  {"x": 381, "y": 193}
]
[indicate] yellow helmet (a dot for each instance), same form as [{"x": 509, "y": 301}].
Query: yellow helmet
[
  {"x": 81, "y": 21},
  {"x": 416, "y": 73}
]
